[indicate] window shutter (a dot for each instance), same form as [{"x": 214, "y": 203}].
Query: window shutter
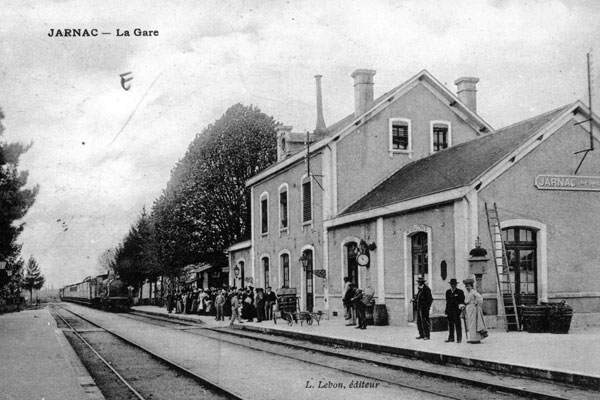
[{"x": 306, "y": 201}]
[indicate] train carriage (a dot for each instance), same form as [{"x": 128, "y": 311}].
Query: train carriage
[{"x": 103, "y": 292}]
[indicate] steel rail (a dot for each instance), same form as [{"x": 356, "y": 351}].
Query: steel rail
[
  {"x": 131, "y": 388},
  {"x": 166, "y": 361},
  {"x": 520, "y": 391},
  {"x": 412, "y": 387},
  {"x": 526, "y": 393}
]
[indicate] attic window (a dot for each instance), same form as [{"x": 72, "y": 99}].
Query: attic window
[
  {"x": 440, "y": 134},
  {"x": 400, "y": 135}
]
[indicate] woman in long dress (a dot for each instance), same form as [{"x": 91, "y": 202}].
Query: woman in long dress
[{"x": 474, "y": 322}]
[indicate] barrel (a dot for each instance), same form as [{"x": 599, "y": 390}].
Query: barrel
[
  {"x": 535, "y": 318},
  {"x": 380, "y": 315},
  {"x": 559, "y": 316}
]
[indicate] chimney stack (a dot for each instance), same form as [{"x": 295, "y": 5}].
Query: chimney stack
[
  {"x": 321, "y": 128},
  {"x": 466, "y": 89},
  {"x": 363, "y": 90},
  {"x": 283, "y": 138}
]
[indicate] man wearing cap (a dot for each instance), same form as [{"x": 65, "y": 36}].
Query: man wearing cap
[
  {"x": 455, "y": 300},
  {"x": 423, "y": 301}
]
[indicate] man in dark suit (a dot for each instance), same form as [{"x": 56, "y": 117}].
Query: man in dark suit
[
  {"x": 423, "y": 300},
  {"x": 455, "y": 300}
]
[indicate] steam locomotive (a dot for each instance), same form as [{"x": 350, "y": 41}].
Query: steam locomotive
[{"x": 104, "y": 292}]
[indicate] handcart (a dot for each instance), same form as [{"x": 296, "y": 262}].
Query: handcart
[
  {"x": 287, "y": 305},
  {"x": 288, "y": 308}
]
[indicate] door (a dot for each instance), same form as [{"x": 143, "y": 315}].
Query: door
[
  {"x": 521, "y": 250},
  {"x": 266, "y": 272},
  {"x": 352, "y": 264},
  {"x": 309, "y": 280},
  {"x": 418, "y": 251}
]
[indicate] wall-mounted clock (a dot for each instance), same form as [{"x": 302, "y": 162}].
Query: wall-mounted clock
[{"x": 362, "y": 259}]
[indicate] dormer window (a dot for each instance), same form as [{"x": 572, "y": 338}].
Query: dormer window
[
  {"x": 440, "y": 135},
  {"x": 400, "y": 135}
]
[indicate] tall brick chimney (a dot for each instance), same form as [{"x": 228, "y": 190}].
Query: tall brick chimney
[
  {"x": 321, "y": 127},
  {"x": 363, "y": 90},
  {"x": 466, "y": 89}
]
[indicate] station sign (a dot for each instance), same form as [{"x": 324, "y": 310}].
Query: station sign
[{"x": 568, "y": 182}]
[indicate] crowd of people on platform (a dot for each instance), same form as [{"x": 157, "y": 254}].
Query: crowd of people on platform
[
  {"x": 358, "y": 303},
  {"x": 251, "y": 304},
  {"x": 236, "y": 303}
]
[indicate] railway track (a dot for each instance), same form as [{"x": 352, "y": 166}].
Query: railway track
[
  {"x": 439, "y": 381},
  {"x": 415, "y": 374},
  {"x": 124, "y": 370},
  {"x": 355, "y": 371}
]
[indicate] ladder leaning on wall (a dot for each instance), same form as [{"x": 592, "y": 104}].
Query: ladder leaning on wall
[{"x": 505, "y": 286}]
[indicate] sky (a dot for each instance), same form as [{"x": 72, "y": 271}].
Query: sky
[{"x": 101, "y": 153}]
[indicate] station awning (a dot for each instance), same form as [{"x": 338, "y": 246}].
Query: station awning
[{"x": 202, "y": 268}]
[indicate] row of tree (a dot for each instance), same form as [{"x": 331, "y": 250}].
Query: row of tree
[
  {"x": 15, "y": 201},
  {"x": 205, "y": 207}
]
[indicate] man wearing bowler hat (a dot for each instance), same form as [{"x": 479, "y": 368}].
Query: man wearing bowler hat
[
  {"x": 455, "y": 301},
  {"x": 423, "y": 300}
]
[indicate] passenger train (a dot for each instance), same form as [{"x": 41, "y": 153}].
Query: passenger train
[{"x": 104, "y": 292}]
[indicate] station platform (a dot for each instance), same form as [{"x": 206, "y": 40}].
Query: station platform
[
  {"x": 570, "y": 358},
  {"x": 37, "y": 362}
]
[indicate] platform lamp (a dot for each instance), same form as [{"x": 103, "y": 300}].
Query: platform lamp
[{"x": 478, "y": 264}]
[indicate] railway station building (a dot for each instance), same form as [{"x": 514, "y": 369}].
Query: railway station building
[{"x": 399, "y": 189}]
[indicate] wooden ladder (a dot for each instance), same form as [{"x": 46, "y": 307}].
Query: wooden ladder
[{"x": 505, "y": 287}]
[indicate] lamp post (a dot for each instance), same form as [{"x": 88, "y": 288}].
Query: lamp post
[{"x": 478, "y": 264}]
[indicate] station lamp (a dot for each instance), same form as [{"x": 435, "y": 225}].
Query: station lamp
[{"x": 304, "y": 260}]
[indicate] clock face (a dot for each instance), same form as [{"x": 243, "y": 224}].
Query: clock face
[{"x": 363, "y": 259}]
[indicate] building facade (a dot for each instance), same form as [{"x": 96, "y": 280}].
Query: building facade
[{"x": 405, "y": 180}]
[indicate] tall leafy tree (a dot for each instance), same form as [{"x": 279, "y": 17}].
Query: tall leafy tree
[
  {"x": 15, "y": 200},
  {"x": 135, "y": 258},
  {"x": 33, "y": 280},
  {"x": 209, "y": 183},
  {"x": 106, "y": 261},
  {"x": 205, "y": 206}
]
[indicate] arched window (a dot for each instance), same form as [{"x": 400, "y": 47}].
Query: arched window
[
  {"x": 285, "y": 270},
  {"x": 351, "y": 262},
  {"x": 264, "y": 213},
  {"x": 283, "y": 207},
  {"x": 310, "y": 300}
]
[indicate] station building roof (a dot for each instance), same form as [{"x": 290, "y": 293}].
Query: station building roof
[{"x": 454, "y": 167}]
